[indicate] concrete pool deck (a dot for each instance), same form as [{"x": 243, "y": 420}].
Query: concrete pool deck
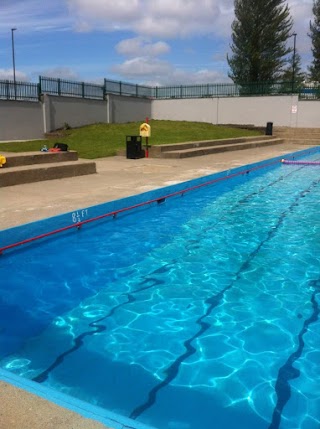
[{"x": 117, "y": 177}]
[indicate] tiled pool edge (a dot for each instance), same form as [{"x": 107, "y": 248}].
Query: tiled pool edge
[
  {"x": 85, "y": 409},
  {"x": 25, "y": 231}
]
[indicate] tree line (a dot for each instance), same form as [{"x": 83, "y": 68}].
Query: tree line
[{"x": 261, "y": 48}]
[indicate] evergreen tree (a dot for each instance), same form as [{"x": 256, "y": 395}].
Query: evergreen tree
[
  {"x": 259, "y": 35},
  {"x": 293, "y": 76},
  {"x": 314, "y": 34},
  {"x": 294, "y": 73}
]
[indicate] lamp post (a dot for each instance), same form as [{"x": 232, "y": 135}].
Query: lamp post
[
  {"x": 13, "y": 63},
  {"x": 294, "y": 60}
]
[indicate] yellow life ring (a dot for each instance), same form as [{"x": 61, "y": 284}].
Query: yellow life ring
[{"x": 2, "y": 160}]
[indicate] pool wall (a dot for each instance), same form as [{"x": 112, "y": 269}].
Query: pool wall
[{"x": 71, "y": 219}]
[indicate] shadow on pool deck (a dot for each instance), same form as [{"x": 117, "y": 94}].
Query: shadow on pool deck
[{"x": 117, "y": 177}]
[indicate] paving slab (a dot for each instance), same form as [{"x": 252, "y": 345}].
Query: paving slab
[{"x": 117, "y": 177}]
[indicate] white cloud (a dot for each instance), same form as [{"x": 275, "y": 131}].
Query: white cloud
[
  {"x": 142, "y": 67},
  {"x": 139, "y": 46},
  {"x": 60, "y": 72},
  {"x": 150, "y": 23},
  {"x": 155, "y": 18},
  {"x": 154, "y": 72},
  {"x": 30, "y": 16},
  {"x": 7, "y": 74}
]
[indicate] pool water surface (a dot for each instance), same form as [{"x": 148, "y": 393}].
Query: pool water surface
[{"x": 201, "y": 311}]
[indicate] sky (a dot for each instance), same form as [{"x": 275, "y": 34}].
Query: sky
[{"x": 151, "y": 42}]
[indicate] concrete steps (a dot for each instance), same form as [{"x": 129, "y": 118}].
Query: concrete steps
[
  {"x": 29, "y": 167},
  {"x": 307, "y": 136},
  {"x": 191, "y": 149}
]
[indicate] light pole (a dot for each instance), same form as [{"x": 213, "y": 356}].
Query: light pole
[
  {"x": 13, "y": 63},
  {"x": 294, "y": 60}
]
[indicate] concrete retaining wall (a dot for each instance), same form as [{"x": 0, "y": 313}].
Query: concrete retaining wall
[
  {"x": 73, "y": 111},
  {"x": 242, "y": 110},
  {"x": 308, "y": 114},
  {"x": 20, "y": 120},
  {"x": 128, "y": 109}
]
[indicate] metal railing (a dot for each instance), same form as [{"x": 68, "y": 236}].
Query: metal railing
[
  {"x": 10, "y": 90},
  {"x": 310, "y": 91},
  {"x": 67, "y": 88},
  {"x": 124, "y": 88}
]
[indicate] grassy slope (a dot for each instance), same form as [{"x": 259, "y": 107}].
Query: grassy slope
[{"x": 101, "y": 140}]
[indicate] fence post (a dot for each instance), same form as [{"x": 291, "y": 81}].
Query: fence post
[
  {"x": 137, "y": 90},
  {"x": 40, "y": 86},
  {"x": 82, "y": 89},
  {"x": 104, "y": 88},
  {"x": 7, "y": 89},
  {"x": 59, "y": 87},
  {"x": 120, "y": 87}
]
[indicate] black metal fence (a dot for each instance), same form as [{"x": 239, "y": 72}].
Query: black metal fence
[
  {"x": 10, "y": 90},
  {"x": 67, "y": 88}
]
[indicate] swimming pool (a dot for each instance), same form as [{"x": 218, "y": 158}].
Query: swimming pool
[{"x": 193, "y": 311}]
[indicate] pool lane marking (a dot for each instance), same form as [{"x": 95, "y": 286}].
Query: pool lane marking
[
  {"x": 78, "y": 341},
  {"x": 287, "y": 372},
  {"x": 213, "y": 302}
]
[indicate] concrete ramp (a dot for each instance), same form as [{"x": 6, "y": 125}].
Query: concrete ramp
[{"x": 28, "y": 167}]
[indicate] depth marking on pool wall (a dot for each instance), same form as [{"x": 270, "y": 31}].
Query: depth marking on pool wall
[{"x": 79, "y": 215}]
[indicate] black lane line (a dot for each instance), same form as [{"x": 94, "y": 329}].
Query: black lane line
[
  {"x": 213, "y": 302},
  {"x": 287, "y": 372},
  {"x": 78, "y": 341}
]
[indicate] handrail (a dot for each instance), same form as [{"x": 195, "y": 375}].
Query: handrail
[{"x": 126, "y": 209}]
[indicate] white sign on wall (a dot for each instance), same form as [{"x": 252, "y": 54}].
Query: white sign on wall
[{"x": 294, "y": 108}]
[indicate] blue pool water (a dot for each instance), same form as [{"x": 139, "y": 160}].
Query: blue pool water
[{"x": 199, "y": 312}]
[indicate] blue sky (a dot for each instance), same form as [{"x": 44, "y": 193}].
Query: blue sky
[{"x": 154, "y": 42}]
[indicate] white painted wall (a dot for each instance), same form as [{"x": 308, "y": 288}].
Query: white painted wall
[
  {"x": 20, "y": 120},
  {"x": 190, "y": 109},
  {"x": 30, "y": 120},
  {"x": 128, "y": 109},
  {"x": 230, "y": 110},
  {"x": 308, "y": 113},
  {"x": 76, "y": 112}
]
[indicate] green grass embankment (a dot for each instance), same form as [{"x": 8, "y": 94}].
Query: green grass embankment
[{"x": 103, "y": 140}]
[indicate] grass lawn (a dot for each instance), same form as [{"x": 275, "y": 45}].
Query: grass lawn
[{"x": 101, "y": 140}]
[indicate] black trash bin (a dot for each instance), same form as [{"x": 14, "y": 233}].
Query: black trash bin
[
  {"x": 269, "y": 128},
  {"x": 134, "y": 147}
]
